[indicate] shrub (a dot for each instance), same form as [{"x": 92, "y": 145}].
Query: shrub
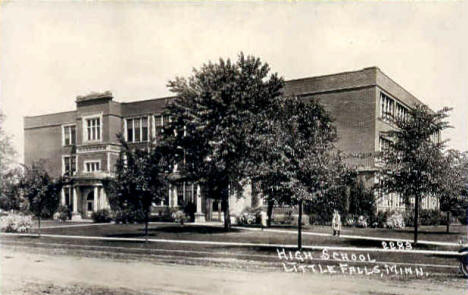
[
  {"x": 63, "y": 213},
  {"x": 409, "y": 217},
  {"x": 189, "y": 209},
  {"x": 361, "y": 221},
  {"x": 463, "y": 218},
  {"x": 15, "y": 223},
  {"x": 128, "y": 216},
  {"x": 395, "y": 220},
  {"x": 380, "y": 219},
  {"x": 430, "y": 217},
  {"x": 250, "y": 216},
  {"x": 101, "y": 216},
  {"x": 426, "y": 217},
  {"x": 179, "y": 216}
]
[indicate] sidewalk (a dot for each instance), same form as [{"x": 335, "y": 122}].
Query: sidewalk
[
  {"x": 236, "y": 244},
  {"x": 370, "y": 238}
]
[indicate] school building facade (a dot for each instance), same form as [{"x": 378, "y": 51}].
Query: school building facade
[{"x": 82, "y": 143}]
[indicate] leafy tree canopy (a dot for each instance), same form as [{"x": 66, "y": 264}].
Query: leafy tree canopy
[
  {"x": 140, "y": 179},
  {"x": 295, "y": 151},
  {"x": 215, "y": 112},
  {"x": 414, "y": 161},
  {"x": 7, "y": 152},
  {"x": 41, "y": 191}
]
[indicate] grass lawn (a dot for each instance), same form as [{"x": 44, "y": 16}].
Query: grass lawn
[
  {"x": 54, "y": 223},
  {"x": 217, "y": 233},
  {"x": 428, "y": 233}
]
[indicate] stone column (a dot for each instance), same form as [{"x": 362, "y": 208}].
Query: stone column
[
  {"x": 96, "y": 197},
  {"x": 104, "y": 201},
  {"x": 75, "y": 215},
  {"x": 199, "y": 216},
  {"x": 174, "y": 196},
  {"x": 75, "y": 199},
  {"x": 62, "y": 196},
  {"x": 170, "y": 197}
]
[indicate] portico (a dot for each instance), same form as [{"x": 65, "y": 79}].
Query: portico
[{"x": 83, "y": 197}]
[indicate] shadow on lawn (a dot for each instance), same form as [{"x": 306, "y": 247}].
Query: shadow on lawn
[
  {"x": 198, "y": 229},
  {"x": 176, "y": 229},
  {"x": 136, "y": 235},
  {"x": 428, "y": 232}
]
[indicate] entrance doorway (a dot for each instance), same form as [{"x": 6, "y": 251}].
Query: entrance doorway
[{"x": 90, "y": 203}]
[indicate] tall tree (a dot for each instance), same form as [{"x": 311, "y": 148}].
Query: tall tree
[
  {"x": 140, "y": 179},
  {"x": 453, "y": 189},
  {"x": 41, "y": 191},
  {"x": 10, "y": 196},
  {"x": 211, "y": 119},
  {"x": 296, "y": 154},
  {"x": 7, "y": 152},
  {"x": 413, "y": 160}
]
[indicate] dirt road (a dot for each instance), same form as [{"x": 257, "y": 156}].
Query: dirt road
[{"x": 20, "y": 269}]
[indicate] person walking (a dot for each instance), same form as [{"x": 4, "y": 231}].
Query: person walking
[{"x": 336, "y": 223}]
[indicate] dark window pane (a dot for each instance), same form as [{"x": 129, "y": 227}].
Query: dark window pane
[
  {"x": 137, "y": 130},
  {"x": 73, "y": 135},
  {"x": 67, "y": 135},
  {"x": 130, "y": 130},
  {"x": 144, "y": 129},
  {"x": 157, "y": 121},
  {"x": 67, "y": 164},
  {"x": 73, "y": 164}
]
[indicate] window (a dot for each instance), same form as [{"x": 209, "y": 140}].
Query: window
[
  {"x": 384, "y": 144},
  {"x": 69, "y": 135},
  {"x": 137, "y": 129},
  {"x": 387, "y": 110},
  {"x": 92, "y": 166},
  {"x": 435, "y": 137},
  {"x": 159, "y": 122},
  {"x": 188, "y": 192},
  {"x": 401, "y": 112},
  {"x": 69, "y": 165},
  {"x": 92, "y": 129},
  {"x": 180, "y": 194}
]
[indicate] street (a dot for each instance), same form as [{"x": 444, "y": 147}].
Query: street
[{"x": 27, "y": 270}]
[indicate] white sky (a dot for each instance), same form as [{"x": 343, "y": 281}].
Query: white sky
[{"x": 52, "y": 52}]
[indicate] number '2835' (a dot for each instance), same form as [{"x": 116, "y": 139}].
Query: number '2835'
[{"x": 400, "y": 245}]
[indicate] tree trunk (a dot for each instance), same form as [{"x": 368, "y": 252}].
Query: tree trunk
[
  {"x": 146, "y": 225},
  {"x": 448, "y": 221},
  {"x": 269, "y": 211},
  {"x": 299, "y": 227},
  {"x": 227, "y": 217},
  {"x": 347, "y": 203},
  {"x": 416, "y": 217},
  {"x": 39, "y": 225}
]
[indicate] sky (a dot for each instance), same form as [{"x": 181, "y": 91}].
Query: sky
[{"x": 51, "y": 52}]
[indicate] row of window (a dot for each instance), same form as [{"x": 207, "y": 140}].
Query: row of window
[
  {"x": 69, "y": 165},
  {"x": 392, "y": 200},
  {"x": 384, "y": 144},
  {"x": 92, "y": 131},
  {"x": 389, "y": 108},
  {"x": 137, "y": 129}
]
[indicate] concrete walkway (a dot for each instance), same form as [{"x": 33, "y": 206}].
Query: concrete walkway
[{"x": 236, "y": 244}]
